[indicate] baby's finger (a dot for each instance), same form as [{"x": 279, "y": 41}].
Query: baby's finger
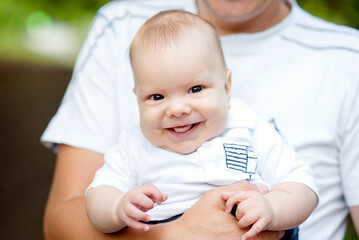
[
  {"x": 153, "y": 193},
  {"x": 142, "y": 201},
  {"x": 135, "y": 213},
  {"x": 136, "y": 224},
  {"x": 249, "y": 218},
  {"x": 258, "y": 227},
  {"x": 233, "y": 199},
  {"x": 242, "y": 208},
  {"x": 164, "y": 197}
]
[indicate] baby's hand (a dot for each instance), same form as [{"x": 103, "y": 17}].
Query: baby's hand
[
  {"x": 136, "y": 202},
  {"x": 253, "y": 209}
]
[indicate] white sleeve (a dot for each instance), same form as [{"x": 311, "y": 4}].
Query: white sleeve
[
  {"x": 117, "y": 170},
  {"x": 277, "y": 160},
  {"x": 87, "y": 115},
  {"x": 349, "y": 152}
]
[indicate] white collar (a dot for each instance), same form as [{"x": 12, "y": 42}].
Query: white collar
[{"x": 251, "y": 43}]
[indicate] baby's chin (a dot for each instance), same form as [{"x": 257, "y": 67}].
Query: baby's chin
[
  {"x": 185, "y": 147},
  {"x": 184, "y": 150}
]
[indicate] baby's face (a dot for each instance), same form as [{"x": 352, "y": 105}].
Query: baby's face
[{"x": 183, "y": 96}]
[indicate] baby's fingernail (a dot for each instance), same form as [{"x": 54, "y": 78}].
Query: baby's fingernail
[{"x": 147, "y": 228}]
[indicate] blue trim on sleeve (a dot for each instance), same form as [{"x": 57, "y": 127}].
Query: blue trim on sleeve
[
  {"x": 320, "y": 48},
  {"x": 354, "y": 34},
  {"x": 109, "y": 25}
]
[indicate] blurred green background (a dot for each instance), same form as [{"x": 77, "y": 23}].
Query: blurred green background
[
  {"x": 39, "y": 41},
  {"x": 52, "y": 31},
  {"x": 26, "y": 24}
]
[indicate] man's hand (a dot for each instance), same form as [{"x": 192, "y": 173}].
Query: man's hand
[{"x": 207, "y": 218}]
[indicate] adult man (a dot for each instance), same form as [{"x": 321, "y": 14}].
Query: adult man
[{"x": 295, "y": 70}]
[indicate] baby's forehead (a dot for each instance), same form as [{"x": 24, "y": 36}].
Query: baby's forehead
[
  {"x": 178, "y": 32},
  {"x": 191, "y": 41},
  {"x": 167, "y": 40},
  {"x": 184, "y": 54}
]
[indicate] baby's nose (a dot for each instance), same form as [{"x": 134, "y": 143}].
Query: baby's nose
[{"x": 178, "y": 109}]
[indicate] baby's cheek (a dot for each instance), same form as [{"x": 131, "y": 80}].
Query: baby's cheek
[{"x": 149, "y": 119}]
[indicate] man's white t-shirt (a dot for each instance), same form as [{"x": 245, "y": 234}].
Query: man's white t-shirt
[
  {"x": 301, "y": 75},
  {"x": 248, "y": 149}
]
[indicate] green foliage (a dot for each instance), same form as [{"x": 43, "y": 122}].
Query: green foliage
[
  {"x": 351, "y": 233},
  {"x": 15, "y": 12},
  {"x": 345, "y": 12}
]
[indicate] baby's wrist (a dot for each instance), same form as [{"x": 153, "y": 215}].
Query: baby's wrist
[
  {"x": 271, "y": 214},
  {"x": 118, "y": 212}
]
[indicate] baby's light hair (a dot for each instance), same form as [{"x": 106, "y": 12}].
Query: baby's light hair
[{"x": 167, "y": 28}]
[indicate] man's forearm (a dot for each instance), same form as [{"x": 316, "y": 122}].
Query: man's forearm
[
  {"x": 65, "y": 214},
  {"x": 69, "y": 221},
  {"x": 354, "y": 213}
]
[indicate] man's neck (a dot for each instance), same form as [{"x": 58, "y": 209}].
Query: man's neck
[{"x": 271, "y": 16}]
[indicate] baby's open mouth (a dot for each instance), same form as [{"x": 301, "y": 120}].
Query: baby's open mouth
[{"x": 183, "y": 129}]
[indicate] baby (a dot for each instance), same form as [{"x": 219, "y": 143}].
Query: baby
[{"x": 193, "y": 138}]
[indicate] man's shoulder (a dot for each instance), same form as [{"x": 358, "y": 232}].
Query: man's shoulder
[{"x": 312, "y": 32}]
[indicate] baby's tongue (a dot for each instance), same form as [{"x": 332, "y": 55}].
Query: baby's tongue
[{"x": 182, "y": 129}]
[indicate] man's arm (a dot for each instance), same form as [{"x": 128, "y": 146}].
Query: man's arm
[
  {"x": 65, "y": 214},
  {"x": 354, "y": 214},
  {"x": 66, "y": 218}
]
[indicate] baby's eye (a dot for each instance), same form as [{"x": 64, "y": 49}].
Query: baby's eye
[
  {"x": 156, "y": 97},
  {"x": 195, "y": 89}
]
